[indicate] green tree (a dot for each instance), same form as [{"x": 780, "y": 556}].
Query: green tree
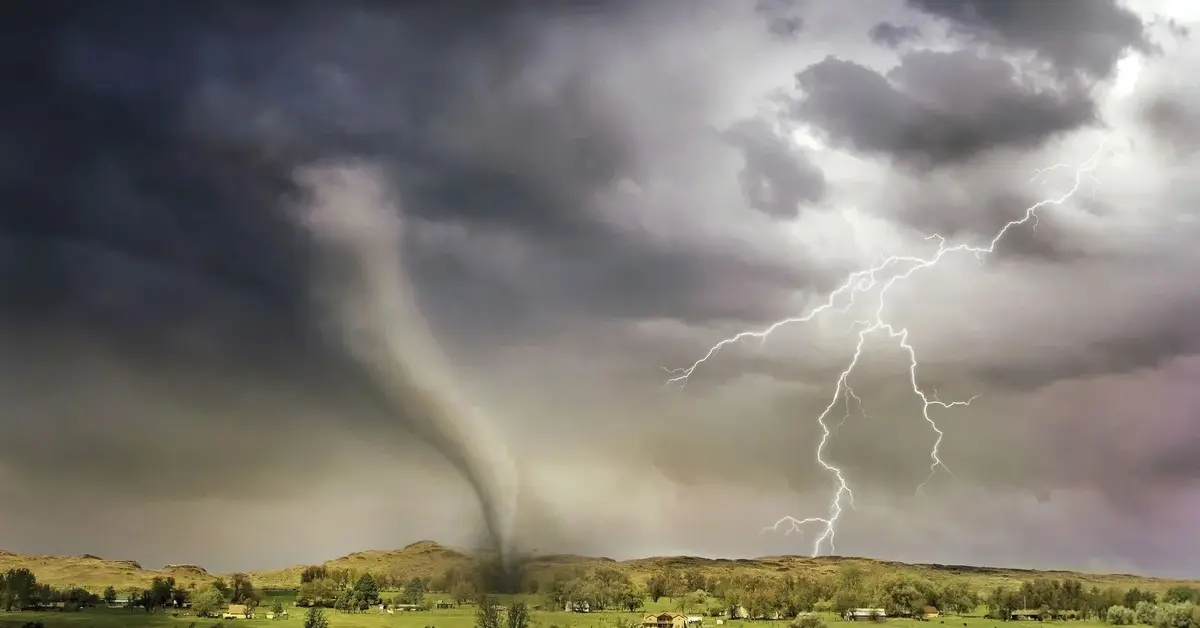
[
  {"x": 664, "y": 583},
  {"x": 317, "y": 593},
  {"x": 414, "y": 592},
  {"x": 1135, "y": 595},
  {"x": 315, "y": 618},
  {"x": 110, "y": 595},
  {"x": 518, "y": 615},
  {"x": 313, "y": 572},
  {"x": 487, "y": 615},
  {"x": 1180, "y": 594},
  {"x": 160, "y": 592},
  {"x": 241, "y": 590},
  {"x": 369, "y": 589},
  {"x": 179, "y": 595},
  {"x": 692, "y": 600},
  {"x": 957, "y": 598},
  {"x": 903, "y": 595},
  {"x": 277, "y": 608},
  {"x": 20, "y": 586},
  {"x": 208, "y": 602},
  {"x": 631, "y": 598}
]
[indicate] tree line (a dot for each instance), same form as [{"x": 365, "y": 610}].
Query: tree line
[{"x": 20, "y": 590}]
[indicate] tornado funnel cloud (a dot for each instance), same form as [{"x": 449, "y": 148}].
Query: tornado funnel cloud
[{"x": 363, "y": 288}]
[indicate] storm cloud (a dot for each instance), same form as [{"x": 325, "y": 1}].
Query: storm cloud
[
  {"x": 936, "y": 108},
  {"x": 587, "y": 194}
]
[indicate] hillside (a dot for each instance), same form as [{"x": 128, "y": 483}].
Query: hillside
[
  {"x": 95, "y": 573},
  {"x": 424, "y": 559},
  {"x": 429, "y": 559}
]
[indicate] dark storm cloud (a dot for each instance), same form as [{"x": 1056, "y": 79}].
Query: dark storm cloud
[
  {"x": 1085, "y": 36},
  {"x": 893, "y": 35},
  {"x": 935, "y": 108},
  {"x": 783, "y": 18},
  {"x": 1174, "y": 119},
  {"x": 155, "y": 270},
  {"x": 777, "y": 177},
  {"x": 148, "y": 243}
]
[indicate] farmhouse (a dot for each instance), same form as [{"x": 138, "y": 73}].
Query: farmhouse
[
  {"x": 930, "y": 612},
  {"x": 864, "y": 614},
  {"x": 664, "y": 620},
  {"x": 237, "y": 611}
]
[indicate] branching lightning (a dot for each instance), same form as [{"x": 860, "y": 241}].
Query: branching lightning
[{"x": 882, "y": 276}]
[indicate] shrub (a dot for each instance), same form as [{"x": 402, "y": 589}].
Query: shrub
[
  {"x": 808, "y": 620},
  {"x": 1145, "y": 612},
  {"x": 1120, "y": 616},
  {"x": 315, "y": 619},
  {"x": 1180, "y": 615}
]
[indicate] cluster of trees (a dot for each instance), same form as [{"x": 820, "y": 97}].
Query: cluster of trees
[
  {"x": 1068, "y": 598},
  {"x": 600, "y": 588},
  {"x": 20, "y": 590},
  {"x": 210, "y": 600},
  {"x": 488, "y": 615},
  {"x": 321, "y": 587},
  {"x": 1178, "y": 608}
]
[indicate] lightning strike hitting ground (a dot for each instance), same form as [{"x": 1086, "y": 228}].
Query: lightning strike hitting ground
[{"x": 883, "y": 276}]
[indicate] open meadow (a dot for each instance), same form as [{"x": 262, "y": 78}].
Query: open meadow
[
  {"x": 430, "y": 586},
  {"x": 456, "y": 618}
]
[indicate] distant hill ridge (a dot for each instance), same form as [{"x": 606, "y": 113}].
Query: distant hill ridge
[{"x": 430, "y": 559}]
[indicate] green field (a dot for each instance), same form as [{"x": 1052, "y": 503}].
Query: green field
[{"x": 457, "y": 618}]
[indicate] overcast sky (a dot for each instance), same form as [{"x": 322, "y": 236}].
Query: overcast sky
[{"x": 228, "y": 224}]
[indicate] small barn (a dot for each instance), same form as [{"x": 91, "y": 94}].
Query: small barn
[{"x": 930, "y": 612}]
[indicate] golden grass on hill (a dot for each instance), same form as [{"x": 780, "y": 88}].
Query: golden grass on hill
[
  {"x": 429, "y": 559},
  {"x": 95, "y": 573}
]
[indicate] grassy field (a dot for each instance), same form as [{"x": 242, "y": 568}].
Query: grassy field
[
  {"x": 430, "y": 559},
  {"x": 457, "y": 618}
]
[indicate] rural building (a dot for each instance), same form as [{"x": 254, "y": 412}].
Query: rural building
[
  {"x": 577, "y": 607},
  {"x": 664, "y": 620},
  {"x": 237, "y": 611},
  {"x": 444, "y": 604},
  {"x": 1028, "y": 614},
  {"x": 864, "y": 614},
  {"x": 406, "y": 607},
  {"x": 930, "y": 612}
]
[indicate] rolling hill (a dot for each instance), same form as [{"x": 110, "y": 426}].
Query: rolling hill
[
  {"x": 429, "y": 559},
  {"x": 95, "y": 573}
]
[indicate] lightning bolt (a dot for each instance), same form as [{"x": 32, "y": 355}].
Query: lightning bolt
[{"x": 883, "y": 275}]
